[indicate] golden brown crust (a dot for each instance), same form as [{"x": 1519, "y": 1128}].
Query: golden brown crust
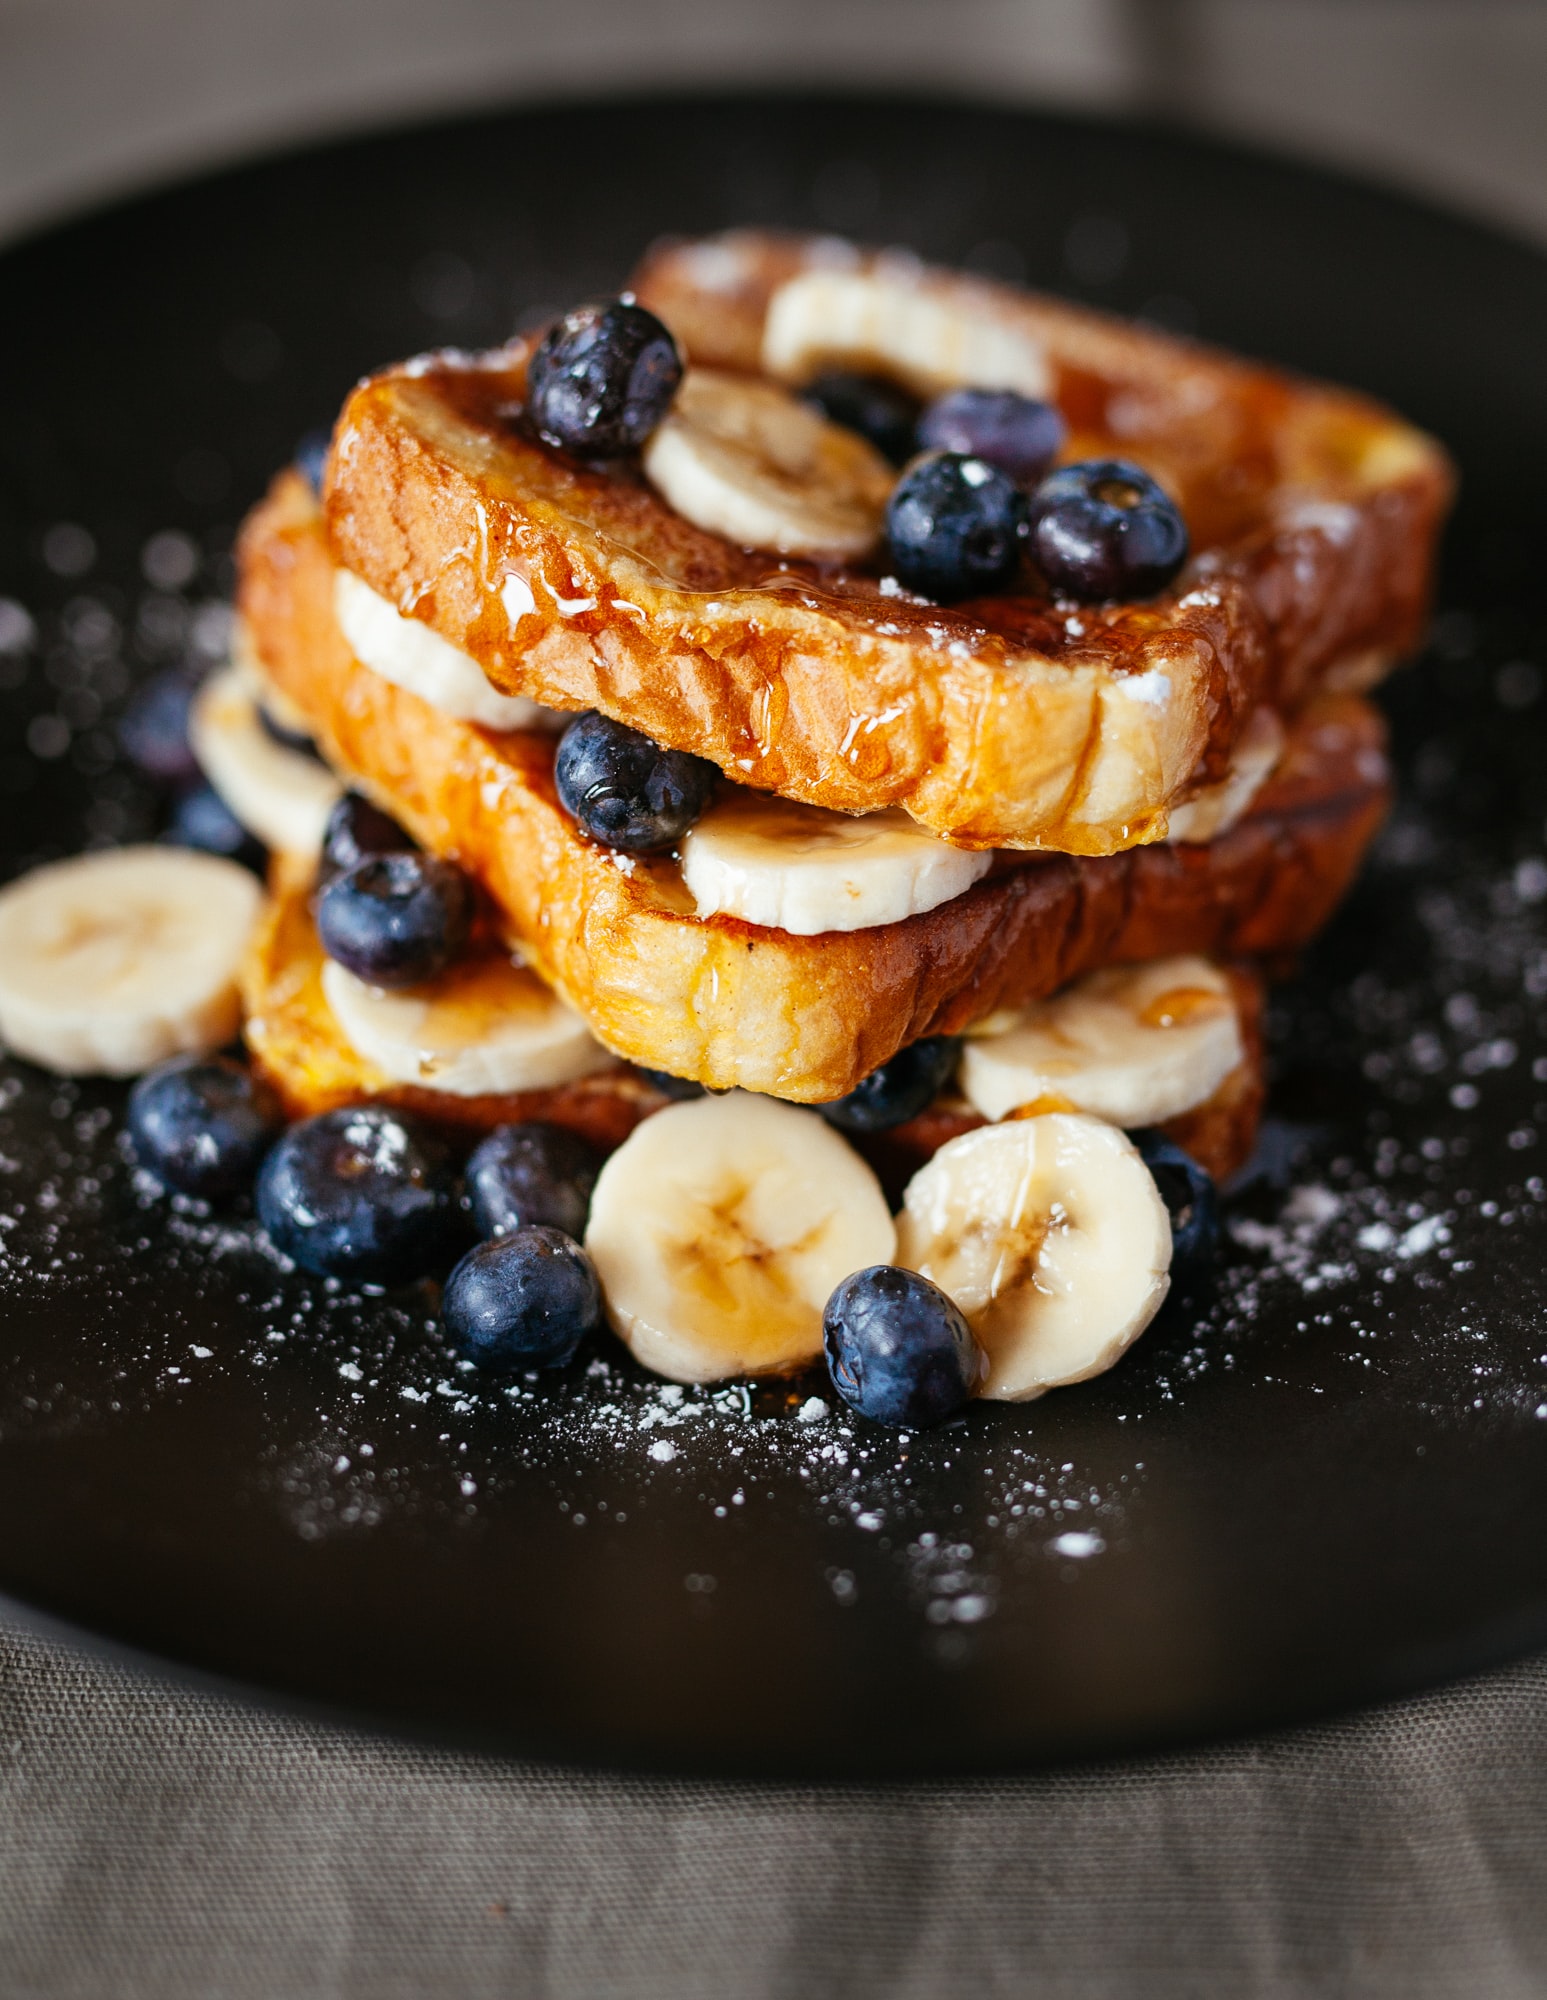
[
  {"x": 803, "y": 1018},
  {"x": 1012, "y": 722},
  {"x": 296, "y": 1043}
]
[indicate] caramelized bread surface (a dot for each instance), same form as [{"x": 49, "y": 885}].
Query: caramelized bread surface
[
  {"x": 727, "y": 1003},
  {"x": 296, "y": 1043},
  {"x": 1012, "y": 722}
]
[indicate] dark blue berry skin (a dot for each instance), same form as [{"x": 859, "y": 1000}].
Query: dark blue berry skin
[
  {"x": 677, "y": 1088},
  {"x": 202, "y": 819},
  {"x": 154, "y": 730},
  {"x": 955, "y": 527},
  {"x": 202, "y": 1124},
  {"x": 311, "y": 457},
  {"x": 525, "y": 1300},
  {"x": 898, "y": 1349},
  {"x": 626, "y": 791},
  {"x": 287, "y": 739},
  {"x": 395, "y": 919},
  {"x": 898, "y": 1090},
  {"x": 1103, "y": 530},
  {"x": 1191, "y": 1201},
  {"x": 529, "y": 1174},
  {"x": 357, "y": 830},
  {"x": 1018, "y": 435},
  {"x": 602, "y": 379},
  {"x": 364, "y": 1193},
  {"x": 881, "y": 410}
]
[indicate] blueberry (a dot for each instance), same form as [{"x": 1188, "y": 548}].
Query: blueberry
[
  {"x": 899, "y": 1350},
  {"x": 154, "y": 729},
  {"x": 626, "y": 791},
  {"x": 1188, "y": 1193},
  {"x": 898, "y": 1090},
  {"x": 678, "y": 1088},
  {"x": 523, "y": 1175},
  {"x": 879, "y": 409},
  {"x": 1018, "y": 435},
  {"x": 602, "y": 379},
  {"x": 1104, "y": 529},
  {"x": 202, "y": 1124},
  {"x": 202, "y": 819},
  {"x": 525, "y": 1300},
  {"x": 311, "y": 456},
  {"x": 395, "y": 919},
  {"x": 357, "y": 830},
  {"x": 363, "y": 1193},
  {"x": 955, "y": 526}
]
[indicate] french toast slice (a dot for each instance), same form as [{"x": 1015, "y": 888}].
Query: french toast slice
[
  {"x": 1018, "y": 721},
  {"x": 296, "y": 1043},
  {"x": 727, "y": 1003}
]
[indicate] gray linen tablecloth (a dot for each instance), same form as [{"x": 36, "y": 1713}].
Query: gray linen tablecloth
[{"x": 165, "y": 1843}]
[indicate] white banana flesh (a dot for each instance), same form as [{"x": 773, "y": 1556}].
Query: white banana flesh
[
  {"x": 1134, "y": 1044},
  {"x": 280, "y": 795},
  {"x": 747, "y": 460},
  {"x": 112, "y": 962},
  {"x": 484, "y": 1028},
  {"x": 890, "y": 323},
  {"x": 806, "y": 870},
  {"x": 1252, "y": 763},
  {"x": 1051, "y": 1236},
  {"x": 414, "y": 657},
  {"x": 719, "y": 1229}
]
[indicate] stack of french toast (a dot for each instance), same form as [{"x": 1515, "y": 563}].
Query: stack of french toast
[{"x": 888, "y": 724}]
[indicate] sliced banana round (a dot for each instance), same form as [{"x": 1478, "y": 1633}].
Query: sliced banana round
[
  {"x": 747, "y": 460},
  {"x": 1252, "y": 763},
  {"x": 280, "y": 795},
  {"x": 414, "y": 657},
  {"x": 719, "y": 1229},
  {"x": 1051, "y": 1236},
  {"x": 485, "y": 1027},
  {"x": 932, "y": 337},
  {"x": 804, "y": 869},
  {"x": 112, "y": 962},
  {"x": 1135, "y": 1044}
]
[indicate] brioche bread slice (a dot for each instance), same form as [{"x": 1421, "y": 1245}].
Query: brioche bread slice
[
  {"x": 1016, "y": 721},
  {"x": 729, "y": 1004},
  {"x": 296, "y": 1043}
]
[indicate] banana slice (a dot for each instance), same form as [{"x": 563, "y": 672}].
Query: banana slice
[
  {"x": 411, "y": 655},
  {"x": 719, "y": 1229},
  {"x": 749, "y": 461},
  {"x": 888, "y": 322},
  {"x": 282, "y": 796},
  {"x": 805, "y": 870},
  {"x": 114, "y": 961},
  {"x": 485, "y": 1027},
  {"x": 1252, "y": 763},
  {"x": 1051, "y": 1236},
  {"x": 1135, "y": 1044}
]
